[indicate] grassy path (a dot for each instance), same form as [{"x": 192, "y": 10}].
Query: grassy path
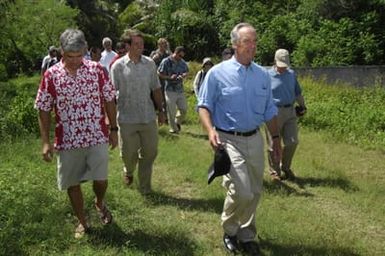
[{"x": 336, "y": 206}]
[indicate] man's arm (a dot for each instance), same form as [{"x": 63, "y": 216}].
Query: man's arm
[
  {"x": 158, "y": 101},
  {"x": 44, "y": 124},
  {"x": 301, "y": 101},
  {"x": 272, "y": 126},
  {"x": 110, "y": 107},
  {"x": 205, "y": 117},
  {"x": 164, "y": 76}
]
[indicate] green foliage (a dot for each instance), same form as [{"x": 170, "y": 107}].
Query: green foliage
[
  {"x": 28, "y": 28},
  {"x": 18, "y": 117},
  {"x": 350, "y": 114},
  {"x": 97, "y": 19},
  {"x": 317, "y": 32},
  {"x": 131, "y": 15},
  {"x": 183, "y": 26}
]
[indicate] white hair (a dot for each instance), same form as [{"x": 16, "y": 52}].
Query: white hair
[
  {"x": 234, "y": 35},
  {"x": 106, "y": 40}
]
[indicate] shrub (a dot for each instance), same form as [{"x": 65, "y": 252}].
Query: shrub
[
  {"x": 17, "y": 115},
  {"x": 353, "y": 115}
]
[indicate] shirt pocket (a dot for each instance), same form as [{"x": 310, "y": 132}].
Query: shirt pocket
[{"x": 260, "y": 100}]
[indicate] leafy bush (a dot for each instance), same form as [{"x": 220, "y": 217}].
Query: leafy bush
[
  {"x": 17, "y": 115},
  {"x": 26, "y": 36},
  {"x": 353, "y": 115}
]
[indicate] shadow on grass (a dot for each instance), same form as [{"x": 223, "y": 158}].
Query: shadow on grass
[
  {"x": 177, "y": 243},
  {"x": 197, "y": 135},
  {"x": 285, "y": 187},
  {"x": 207, "y": 205},
  {"x": 168, "y": 136},
  {"x": 287, "y": 250},
  {"x": 340, "y": 183},
  {"x": 281, "y": 187}
]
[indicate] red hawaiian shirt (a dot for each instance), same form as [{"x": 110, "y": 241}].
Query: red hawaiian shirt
[{"x": 78, "y": 102}]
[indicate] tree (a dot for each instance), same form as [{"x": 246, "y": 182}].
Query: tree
[
  {"x": 184, "y": 23},
  {"x": 28, "y": 28}
]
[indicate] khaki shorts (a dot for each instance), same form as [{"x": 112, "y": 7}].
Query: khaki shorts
[{"x": 82, "y": 164}]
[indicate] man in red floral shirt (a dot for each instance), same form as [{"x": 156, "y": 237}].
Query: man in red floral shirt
[{"x": 80, "y": 93}]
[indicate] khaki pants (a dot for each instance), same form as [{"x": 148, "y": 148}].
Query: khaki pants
[
  {"x": 139, "y": 145},
  {"x": 288, "y": 129},
  {"x": 175, "y": 100},
  {"x": 243, "y": 184}
]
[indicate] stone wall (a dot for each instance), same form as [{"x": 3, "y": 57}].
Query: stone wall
[{"x": 353, "y": 75}]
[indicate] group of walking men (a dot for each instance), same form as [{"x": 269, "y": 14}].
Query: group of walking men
[{"x": 235, "y": 99}]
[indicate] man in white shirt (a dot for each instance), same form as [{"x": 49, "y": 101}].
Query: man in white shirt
[
  {"x": 108, "y": 54},
  {"x": 50, "y": 59},
  {"x": 135, "y": 79}
]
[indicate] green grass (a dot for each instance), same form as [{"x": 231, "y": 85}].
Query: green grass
[{"x": 336, "y": 207}]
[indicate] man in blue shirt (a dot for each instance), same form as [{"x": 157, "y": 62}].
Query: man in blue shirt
[
  {"x": 234, "y": 101},
  {"x": 173, "y": 70},
  {"x": 286, "y": 91}
]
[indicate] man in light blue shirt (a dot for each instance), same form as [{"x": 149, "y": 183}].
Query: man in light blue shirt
[
  {"x": 234, "y": 101},
  {"x": 286, "y": 91}
]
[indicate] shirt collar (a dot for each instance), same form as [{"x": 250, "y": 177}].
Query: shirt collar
[
  {"x": 127, "y": 60},
  {"x": 61, "y": 63},
  {"x": 239, "y": 66}
]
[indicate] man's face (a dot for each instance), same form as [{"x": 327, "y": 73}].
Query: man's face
[
  {"x": 162, "y": 46},
  {"x": 73, "y": 60},
  {"x": 281, "y": 69},
  {"x": 122, "y": 51},
  {"x": 137, "y": 46},
  {"x": 107, "y": 45},
  {"x": 179, "y": 55},
  {"x": 96, "y": 55},
  {"x": 247, "y": 44}
]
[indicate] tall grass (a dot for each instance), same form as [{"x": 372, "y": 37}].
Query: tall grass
[{"x": 353, "y": 115}]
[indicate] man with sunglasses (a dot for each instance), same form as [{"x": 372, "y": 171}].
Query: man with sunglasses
[{"x": 174, "y": 70}]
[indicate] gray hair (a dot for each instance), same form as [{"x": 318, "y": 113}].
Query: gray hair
[
  {"x": 73, "y": 40},
  {"x": 106, "y": 40},
  {"x": 234, "y": 35}
]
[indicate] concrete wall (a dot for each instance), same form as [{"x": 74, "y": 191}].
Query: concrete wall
[{"x": 353, "y": 75}]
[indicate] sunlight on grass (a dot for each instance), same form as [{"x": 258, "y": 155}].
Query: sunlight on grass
[{"x": 335, "y": 207}]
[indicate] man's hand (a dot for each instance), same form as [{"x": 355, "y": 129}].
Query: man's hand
[
  {"x": 300, "y": 110},
  {"x": 47, "y": 152},
  {"x": 113, "y": 139},
  {"x": 277, "y": 150},
  {"x": 161, "y": 118},
  {"x": 214, "y": 139}
]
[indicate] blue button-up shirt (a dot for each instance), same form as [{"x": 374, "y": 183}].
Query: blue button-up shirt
[
  {"x": 168, "y": 67},
  {"x": 239, "y": 98},
  {"x": 285, "y": 87}
]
